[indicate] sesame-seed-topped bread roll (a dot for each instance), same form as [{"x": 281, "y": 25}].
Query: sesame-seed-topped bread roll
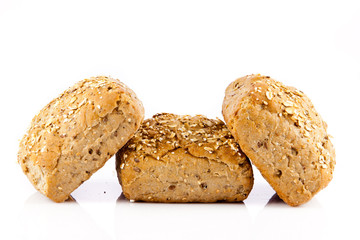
[
  {"x": 76, "y": 133},
  {"x": 176, "y": 158},
  {"x": 279, "y": 129}
]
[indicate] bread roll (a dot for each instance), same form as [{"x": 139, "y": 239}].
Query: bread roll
[
  {"x": 183, "y": 159},
  {"x": 279, "y": 129},
  {"x": 76, "y": 133}
]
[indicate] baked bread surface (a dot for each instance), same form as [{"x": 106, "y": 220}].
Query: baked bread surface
[
  {"x": 176, "y": 158},
  {"x": 76, "y": 133},
  {"x": 280, "y": 131}
]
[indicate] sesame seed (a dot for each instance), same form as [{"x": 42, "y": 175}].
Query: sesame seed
[
  {"x": 83, "y": 102},
  {"x": 269, "y": 95},
  {"x": 233, "y": 147},
  {"x": 43, "y": 149},
  {"x": 288, "y": 104},
  {"x": 299, "y": 93},
  {"x": 73, "y": 99},
  {"x": 308, "y": 128},
  {"x": 290, "y": 110},
  {"x": 209, "y": 149}
]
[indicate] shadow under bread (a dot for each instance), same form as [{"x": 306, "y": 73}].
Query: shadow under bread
[
  {"x": 42, "y": 218},
  {"x": 180, "y": 220},
  {"x": 281, "y": 221}
]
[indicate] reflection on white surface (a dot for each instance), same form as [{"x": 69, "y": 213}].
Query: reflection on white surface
[
  {"x": 97, "y": 191},
  {"x": 99, "y": 213},
  {"x": 280, "y": 221},
  {"x": 43, "y": 219},
  {"x": 142, "y": 220}
]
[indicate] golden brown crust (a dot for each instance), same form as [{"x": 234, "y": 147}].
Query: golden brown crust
[
  {"x": 280, "y": 131},
  {"x": 176, "y": 158},
  {"x": 76, "y": 133}
]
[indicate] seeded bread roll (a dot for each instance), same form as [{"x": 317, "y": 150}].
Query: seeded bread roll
[
  {"x": 183, "y": 159},
  {"x": 76, "y": 133},
  {"x": 279, "y": 129}
]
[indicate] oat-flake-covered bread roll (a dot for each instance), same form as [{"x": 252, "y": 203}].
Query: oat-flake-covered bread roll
[
  {"x": 76, "y": 133},
  {"x": 176, "y": 158},
  {"x": 279, "y": 129}
]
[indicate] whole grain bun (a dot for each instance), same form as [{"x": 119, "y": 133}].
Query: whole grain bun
[
  {"x": 279, "y": 129},
  {"x": 176, "y": 158},
  {"x": 76, "y": 133}
]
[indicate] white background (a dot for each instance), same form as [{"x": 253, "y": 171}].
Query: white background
[{"x": 179, "y": 56}]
